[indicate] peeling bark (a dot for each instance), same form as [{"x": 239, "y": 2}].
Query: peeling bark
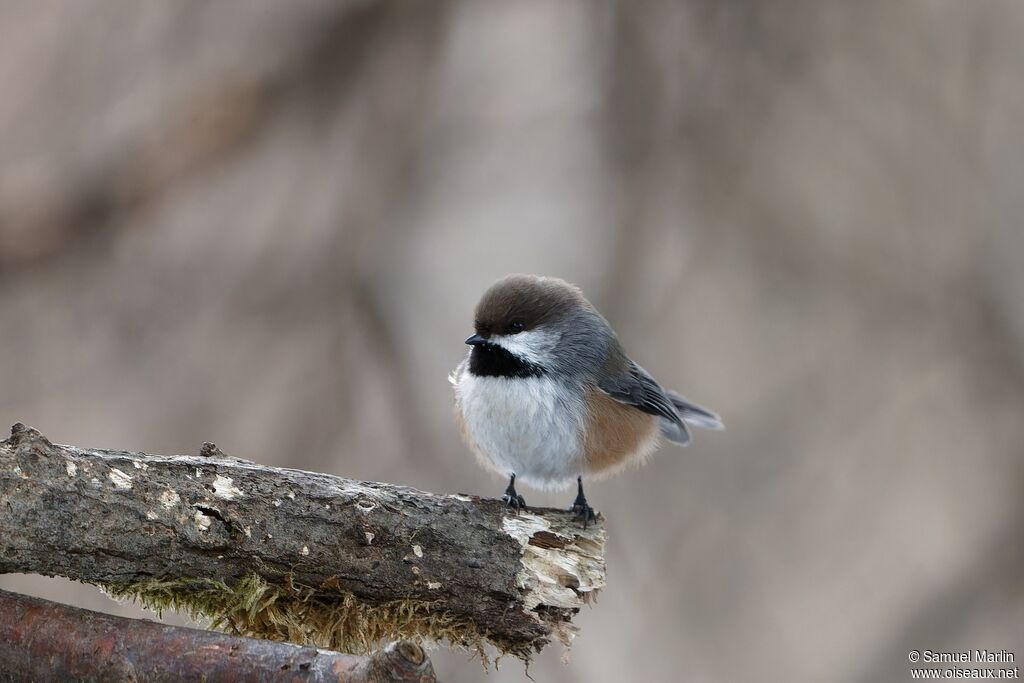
[
  {"x": 117, "y": 517},
  {"x": 43, "y": 640}
]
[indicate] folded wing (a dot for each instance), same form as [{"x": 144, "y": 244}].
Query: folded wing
[{"x": 635, "y": 387}]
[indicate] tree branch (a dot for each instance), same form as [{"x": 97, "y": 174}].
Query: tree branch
[
  {"x": 41, "y": 640},
  {"x": 292, "y": 555}
]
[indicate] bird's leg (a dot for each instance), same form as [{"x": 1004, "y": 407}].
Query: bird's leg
[
  {"x": 511, "y": 498},
  {"x": 580, "y": 507}
]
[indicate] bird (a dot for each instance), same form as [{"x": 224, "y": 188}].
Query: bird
[{"x": 547, "y": 396}]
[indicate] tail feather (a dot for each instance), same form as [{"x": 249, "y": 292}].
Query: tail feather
[
  {"x": 693, "y": 414},
  {"x": 674, "y": 431}
]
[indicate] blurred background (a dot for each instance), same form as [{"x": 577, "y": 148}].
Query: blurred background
[{"x": 266, "y": 224}]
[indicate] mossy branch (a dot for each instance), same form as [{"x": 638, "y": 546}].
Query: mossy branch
[{"x": 290, "y": 555}]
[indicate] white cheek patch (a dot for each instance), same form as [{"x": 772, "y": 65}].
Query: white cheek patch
[{"x": 534, "y": 346}]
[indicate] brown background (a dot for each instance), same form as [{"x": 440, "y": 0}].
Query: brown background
[{"x": 265, "y": 224}]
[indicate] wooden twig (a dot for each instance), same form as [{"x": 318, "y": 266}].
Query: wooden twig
[
  {"x": 43, "y": 640},
  {"x": 294, "y": 555}
]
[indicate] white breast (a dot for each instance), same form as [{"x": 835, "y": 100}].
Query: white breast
[{"x": 526, "y": 426}]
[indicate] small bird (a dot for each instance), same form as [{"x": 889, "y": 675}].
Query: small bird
[{"x": 547, "y": 396}]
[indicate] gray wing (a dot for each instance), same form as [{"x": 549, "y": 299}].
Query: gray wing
[{"x": 635, "y": 387}]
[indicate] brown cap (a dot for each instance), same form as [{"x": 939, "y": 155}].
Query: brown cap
[{"x": 530, "y": 300}]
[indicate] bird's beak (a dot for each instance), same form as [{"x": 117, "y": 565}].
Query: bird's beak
[{"x": 476, "y": 340}]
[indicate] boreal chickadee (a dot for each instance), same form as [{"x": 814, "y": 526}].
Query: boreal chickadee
[{"x": 547, "y": 396}]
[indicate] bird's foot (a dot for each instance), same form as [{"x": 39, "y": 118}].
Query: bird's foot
[
  {"x": 513, "y": 499},
  {"x": 581, "y": 508},
  {"x": 584, "y": 512}
]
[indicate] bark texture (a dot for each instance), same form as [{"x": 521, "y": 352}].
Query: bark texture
[
  {"x": 376, "y": 560},
  {"x": 43, "y": 640}
]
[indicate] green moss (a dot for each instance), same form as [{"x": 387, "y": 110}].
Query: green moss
[{"x": 332, "y": 619}]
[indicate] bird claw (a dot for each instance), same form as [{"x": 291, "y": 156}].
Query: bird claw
[
  {"x": 514, "y": 500},
  {"x": 584, "y": 512},
  {"x": 580, "y": 507}
]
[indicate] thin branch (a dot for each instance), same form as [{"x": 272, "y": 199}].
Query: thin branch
[
  {"x": 43, "y": 640},
  {"x": 292, "y": 555}
]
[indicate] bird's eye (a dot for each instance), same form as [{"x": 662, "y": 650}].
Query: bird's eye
[{"x": 516, "y": 326}]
